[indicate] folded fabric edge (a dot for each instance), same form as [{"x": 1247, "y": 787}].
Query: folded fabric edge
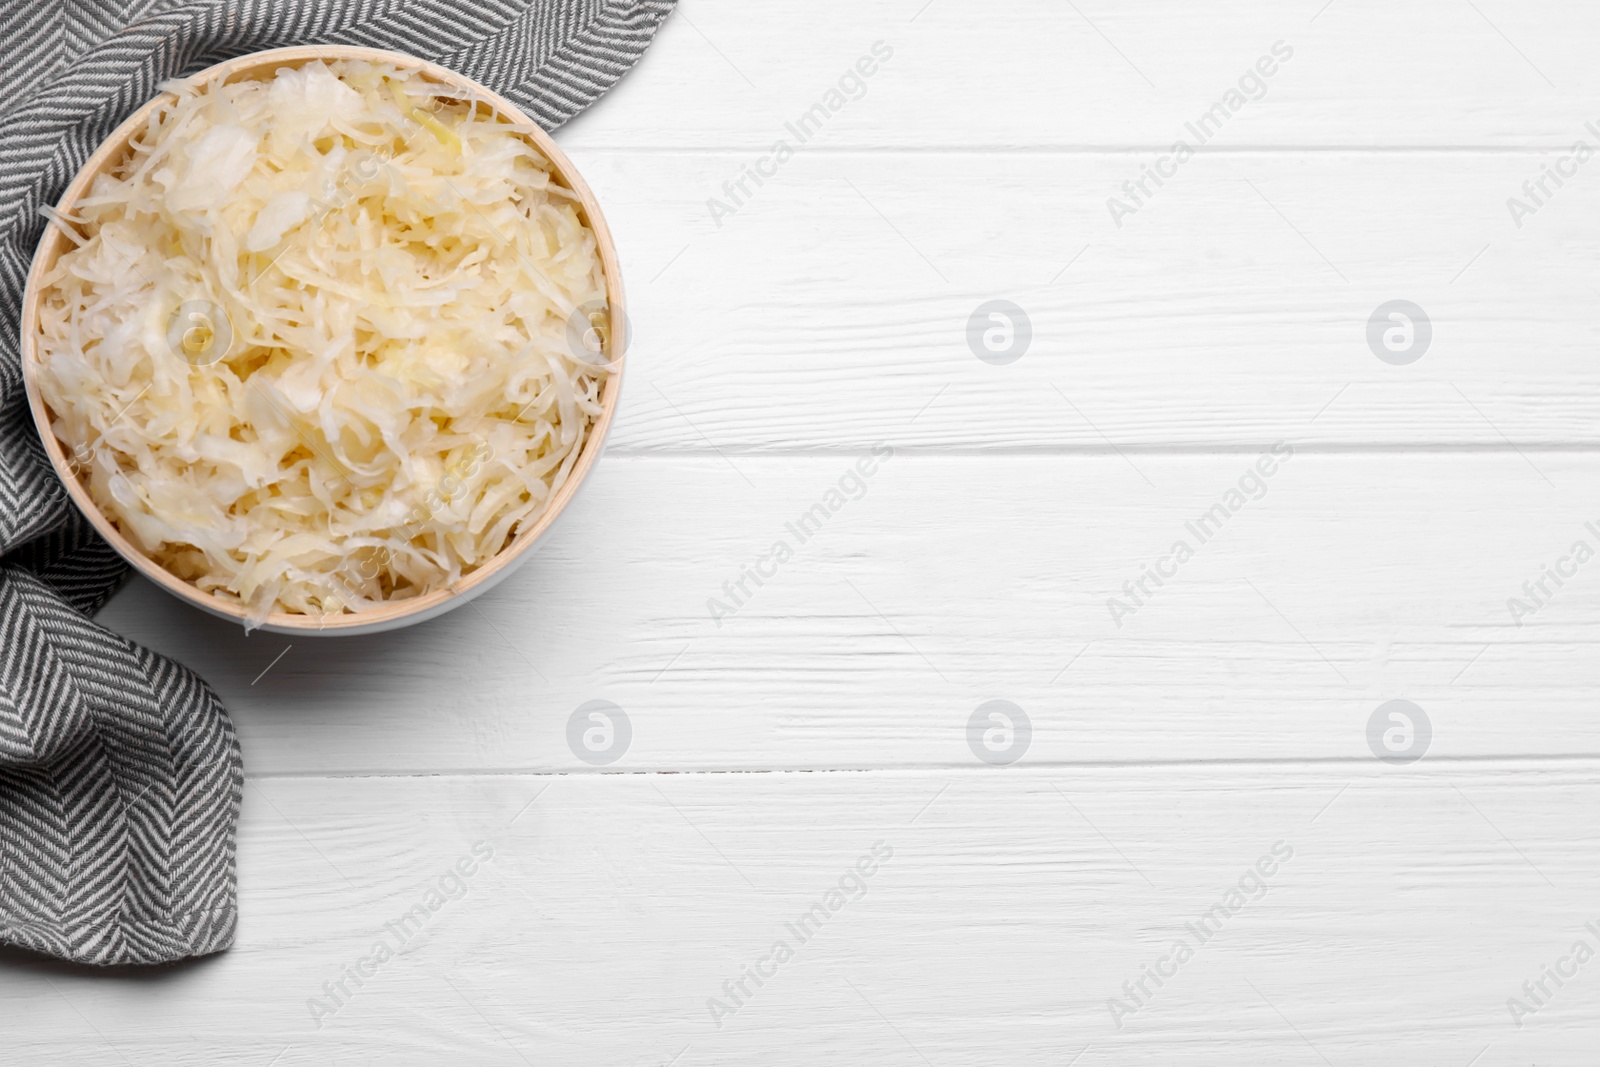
[{"x": 130, "y": 941}]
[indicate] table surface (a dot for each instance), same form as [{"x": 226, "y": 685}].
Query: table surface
[{"x": 1197, "y": 536}]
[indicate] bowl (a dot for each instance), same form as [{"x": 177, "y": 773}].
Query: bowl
[{"x": 394, "y": 614}]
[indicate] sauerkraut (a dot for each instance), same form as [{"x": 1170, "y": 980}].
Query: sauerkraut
[{"x": 326, "y": 340}]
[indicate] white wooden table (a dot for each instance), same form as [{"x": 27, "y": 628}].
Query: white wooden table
[{"x": 1173, "y": 746}]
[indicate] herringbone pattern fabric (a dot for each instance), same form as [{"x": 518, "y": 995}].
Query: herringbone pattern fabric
[{"x": 120, "y": 774}]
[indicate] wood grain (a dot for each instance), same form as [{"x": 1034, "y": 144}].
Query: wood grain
[
  {"x": 832, "y": 309},
  {"x": 1353, "y": 580},
  {"x": 1365, "y": 73},
  {"x": 1014, "y": 906}
]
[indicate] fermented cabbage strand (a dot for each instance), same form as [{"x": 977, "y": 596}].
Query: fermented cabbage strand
[{"x": 324, "y": 341}]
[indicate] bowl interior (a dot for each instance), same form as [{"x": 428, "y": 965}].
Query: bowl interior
[{"x": 261, "y": 65}]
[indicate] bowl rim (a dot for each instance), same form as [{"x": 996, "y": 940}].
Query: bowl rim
[{"x": 394, "y": 613}]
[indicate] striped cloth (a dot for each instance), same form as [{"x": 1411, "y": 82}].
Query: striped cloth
[{"x": 120, "y": 774}]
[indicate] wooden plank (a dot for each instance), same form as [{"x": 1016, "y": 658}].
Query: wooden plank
[
  {"x": 833, "y": 308},
  {"x": 1013, "y": 905},
  {"x": 952, "y": 581},
  {"x": 1362, "y": 73}
]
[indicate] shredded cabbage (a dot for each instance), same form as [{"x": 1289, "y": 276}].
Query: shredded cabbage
[{"x": 315, "y": 348}]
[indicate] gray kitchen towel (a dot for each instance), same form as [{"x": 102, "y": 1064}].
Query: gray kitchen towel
[{"x": 120, "y": 774}]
